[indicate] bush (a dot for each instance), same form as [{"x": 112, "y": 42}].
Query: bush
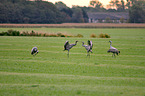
[
  {"x": 3, "y": 34},
  {"x": 93, "y": 35},
  {"x": 107, "y": 36},
  {"x": 61, "y": 35},
  {"x": 32, "y": 33},
  {"x": 79, "y": 35},
  {"x": 10, "y": 33},
  {"x": 52, "y": 35},
  {"x": 101, "y": 35},
  {"x": 25, "y": 34},
  {"x": 104, "y": 35}
]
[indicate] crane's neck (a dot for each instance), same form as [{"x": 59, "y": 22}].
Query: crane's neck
[
  {"x": 110, "y": 44},
  {"x": 76, "y": 42},
  {"x": 83, "y": 44}
]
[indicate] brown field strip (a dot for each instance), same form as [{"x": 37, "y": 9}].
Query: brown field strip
[{"x": 75, "y": 25}]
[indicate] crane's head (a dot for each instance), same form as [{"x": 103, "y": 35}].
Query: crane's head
[
  {"x": 32, "y": 53},
  {"x": 83, "y": 42},
  {"x": 77, "y": 41},
  {"x": 110, "y": 41}
]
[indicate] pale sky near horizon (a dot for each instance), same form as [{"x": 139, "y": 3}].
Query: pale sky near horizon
[{"x": 69, "y": 3}]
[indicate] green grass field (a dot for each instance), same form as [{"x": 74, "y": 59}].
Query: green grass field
[{"x": 51, "y": 73}]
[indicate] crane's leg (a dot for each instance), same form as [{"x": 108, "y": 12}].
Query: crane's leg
[
  {"x": 34, "y": 54},
  {"x": 88, "y": 54},
  {"x": 68, "y": 54},
  {"x": 113, "y": 55}
]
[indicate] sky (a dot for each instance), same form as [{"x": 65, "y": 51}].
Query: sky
[{"x": 69, "y": 3}]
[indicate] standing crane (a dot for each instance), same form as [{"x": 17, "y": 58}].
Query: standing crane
[
  {"x": 88, "y": 47},
  {"x": 113, "y": 50},
  {"x": 68, "y": 46},
  {"x": 34, "y": 51}
]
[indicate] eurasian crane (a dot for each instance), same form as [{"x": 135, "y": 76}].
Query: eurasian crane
[
  {"x": 68, "y": 46},
  {"x": 34, "y": 51},
  {"x": 113, "y": 50},
  {"x": 88, "y": 47}
]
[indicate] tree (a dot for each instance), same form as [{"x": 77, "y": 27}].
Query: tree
[
  {"x": 77, "y": 15},
  {"x": 136, "y": 11},
  {"x": 112, "y": 4},
  {"x": 117, "y": 4},
  {"x": 85, "y": 16},
  {"x": 96, "y": 4},
  {"x": 123, "y": 4},
  {"x": 25, "y": 11},
  {"x": 130, "y": 3},
  {"x": 66, "y": 11},
  {"x": 60, "y": 5},
  {"x": 136, "y": 14}
]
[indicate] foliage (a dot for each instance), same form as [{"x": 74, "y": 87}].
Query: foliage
[
  {"x": 43, "y": 12},
  {"x": 11, "y": 33},
  {"x": 136, "y": 9},
  {"x": 32, "y": 33},
  {"x": 77, "y": 15},
  {"x": 79, "y": 35},
  {"x": 117, "y": 4},
  {"x": 38, "y": 11},
  {"x": 60, "y": 5},
  {"x": 100, "y": 35},
  {"x": 96, "y": 4},
  {"x": 29, "y": 12},
  {"x": 137, "y": 14},
  {"x": 93, "y": 35},
  {"x": 104, "y": 35},
  {"x": 66, "y": 11}
]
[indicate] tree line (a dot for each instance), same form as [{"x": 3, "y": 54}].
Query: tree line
[
  {"x": 43, "y": 12},
  {"x": 38, "y": 11}
]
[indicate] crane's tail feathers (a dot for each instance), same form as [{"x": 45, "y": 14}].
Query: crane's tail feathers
[{"x": 91, "y": 51}]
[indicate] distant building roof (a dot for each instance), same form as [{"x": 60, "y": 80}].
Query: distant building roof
[{"x": 111, "y": 15}]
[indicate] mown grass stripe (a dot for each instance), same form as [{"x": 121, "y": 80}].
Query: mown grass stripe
[{"x": 69, "y": 76}]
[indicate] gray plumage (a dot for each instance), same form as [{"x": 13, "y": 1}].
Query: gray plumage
[
  {"x": 113, "y": 50},
  {"x": 34, "y": 51},
  {"x": 68, "y": 46},
  {"x": 88, "y": 47}
]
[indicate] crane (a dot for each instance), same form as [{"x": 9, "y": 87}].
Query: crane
[
  {"x": 113, "y": 50},
  {"x": 68, "y": 46},
  {"x": 88, "y": 47},
  {"x": 34, "y": 51}
]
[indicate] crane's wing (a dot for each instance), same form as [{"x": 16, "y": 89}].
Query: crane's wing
[
  {"x": 66, "y": 44},
  {"x": 113, "y": 50},
  {"x": 90, "y": 44},
  {"x": 34, "y": 49}
]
